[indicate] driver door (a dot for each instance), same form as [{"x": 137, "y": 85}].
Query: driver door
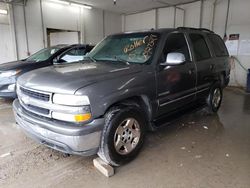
[{"x": 176, "y": 83}]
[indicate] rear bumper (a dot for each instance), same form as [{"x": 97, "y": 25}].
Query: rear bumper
[{"x": 79, "y": 140}]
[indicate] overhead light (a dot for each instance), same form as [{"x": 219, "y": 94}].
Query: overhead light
[
  {"x": 60, "y": 2},
  {"x": 81, "y": 5},
  {"x": 3, "y": 11}
]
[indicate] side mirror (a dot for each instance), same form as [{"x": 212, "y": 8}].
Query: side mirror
[
  {"x": 55, "y": 60},
  {"x": 174, "y": 58},
  {"x": 58, "y": 60}
]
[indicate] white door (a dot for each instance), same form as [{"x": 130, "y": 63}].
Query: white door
[
  {"x": 6, "y": 46},
  {"x": 64, "y": 38}
]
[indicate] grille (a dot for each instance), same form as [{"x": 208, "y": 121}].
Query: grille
[
  {"x": 36, "y": 95},
  {"x": 38, "y": 109}
]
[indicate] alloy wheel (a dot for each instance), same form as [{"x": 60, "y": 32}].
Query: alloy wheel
[
  {"x": 127, "y": 136},
  {"x": 216, "y": 98}
]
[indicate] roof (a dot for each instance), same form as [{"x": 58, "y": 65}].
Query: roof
[
  {"x": 165, "y": 30},
  {"x": 71, "y": 45}
]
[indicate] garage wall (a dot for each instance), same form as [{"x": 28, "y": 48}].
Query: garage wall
[
  {"x": 238, "y": 23},
  {"x": 6, "y": 44},
  {"x": 93, "y": 25},
  {"x": 140, "y": 21},
  {"x": 166, "y": 17},
  {"x": 113, "y": 23},
  {"x": 156, "y": 18}
]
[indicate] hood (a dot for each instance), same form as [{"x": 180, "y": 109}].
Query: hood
[
  {"x": 16, "y": 65},
  {"x": 67, "y": 79}
]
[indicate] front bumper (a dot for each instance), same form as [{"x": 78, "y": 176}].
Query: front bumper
[
  {"x": 4, "y": 91},
  {"x": 79, "y": 140},
  {"x": 11, "y": 95}
]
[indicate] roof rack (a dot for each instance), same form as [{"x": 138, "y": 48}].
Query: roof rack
[{"x": 197, "y": 29}]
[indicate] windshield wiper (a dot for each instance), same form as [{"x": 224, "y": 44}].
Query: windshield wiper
[{"x": 122, "y": 60}]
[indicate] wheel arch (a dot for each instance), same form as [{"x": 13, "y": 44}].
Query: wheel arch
[{"x": 140, "y": 101}]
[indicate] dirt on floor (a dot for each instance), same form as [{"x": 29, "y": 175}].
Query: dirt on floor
[{"x": 197, "y": 151}]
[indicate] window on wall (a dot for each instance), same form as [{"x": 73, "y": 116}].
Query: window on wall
[
  {"x": 201, "y": 50},
  {"x": 176, "y": 42},
  {"x": 218, "y": 45}
]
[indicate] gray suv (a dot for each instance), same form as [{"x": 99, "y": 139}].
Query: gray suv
[{"x": 128, "y": 84}]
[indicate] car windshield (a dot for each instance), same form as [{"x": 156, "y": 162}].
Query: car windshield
[
  {"x": 43, "y": 54},
  {"x": 130, "y": 48}
]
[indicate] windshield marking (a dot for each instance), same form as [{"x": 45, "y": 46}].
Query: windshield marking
[
  {"x": 149, "y": 41},
  {"x": 136, "y": 44}
]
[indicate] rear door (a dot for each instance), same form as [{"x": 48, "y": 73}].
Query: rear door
[
  {"x": 204, "y": 63},
  {"x": 221, "y": 56},
  {"x": 176, "y": 84}
]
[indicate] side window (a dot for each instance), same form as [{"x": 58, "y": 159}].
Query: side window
[
  {"x": 201, "y": 50},
  {"x": 73, "y": 55},
  {"x": 176, "y": 42},
  {"x": 218, "y": 45}
]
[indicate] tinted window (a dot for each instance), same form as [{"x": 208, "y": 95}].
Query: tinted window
[
  {"x": 73, "y": 55},
  {"x": 218, "y": 45},
  {"x": 200, "y": 47},
  {"x": 176, "y": 42}
]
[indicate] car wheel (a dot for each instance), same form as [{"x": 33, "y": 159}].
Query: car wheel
[
  {"x": 123, "y": 135},
  {"x": 214, "y": 99}
]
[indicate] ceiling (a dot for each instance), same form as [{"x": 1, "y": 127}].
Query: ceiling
[
  {"x": 19, "y": 2},
  {"x": 122, "y": 6},
  {"x": 131, "y": 6}
]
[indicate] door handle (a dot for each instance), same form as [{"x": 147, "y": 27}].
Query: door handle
[
  {"x": 191, "y": 71},
  {"x": 212, "y": 66}
]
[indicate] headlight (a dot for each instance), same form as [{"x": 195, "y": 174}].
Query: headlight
[
  {"x": 9, "y": 73},
  {"x": 12, "y": 87},
  {"x": 70, "y": 100}
]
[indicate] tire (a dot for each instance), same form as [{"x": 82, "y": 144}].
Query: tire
[
  {"x": 227, "y": 80},
  {"x": 222, "y": 81},
  {"x": 123, "y": 135},
  {"x": 214, "y": 98}
]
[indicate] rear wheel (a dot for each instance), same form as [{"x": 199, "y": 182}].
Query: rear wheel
[
  {"x": 214, "y": 99},
  {"x": 122, "y": 136}
]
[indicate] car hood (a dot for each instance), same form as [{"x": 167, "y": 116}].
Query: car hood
[
  {"x": 67, "y": 79},
  {"x": 16, "y": 65}
]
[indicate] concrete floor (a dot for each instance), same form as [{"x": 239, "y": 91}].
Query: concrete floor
[{"x": 197, "y": 151}]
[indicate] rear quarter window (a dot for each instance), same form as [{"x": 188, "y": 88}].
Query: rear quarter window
[{"x": 218, "y": 45}]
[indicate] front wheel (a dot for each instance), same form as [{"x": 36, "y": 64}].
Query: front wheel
[
  {"x": 123, "y": 135},
  {"x": 214, "y": 99}
]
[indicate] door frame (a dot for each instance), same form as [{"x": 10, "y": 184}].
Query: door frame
[{"x": 194, "y": 89}]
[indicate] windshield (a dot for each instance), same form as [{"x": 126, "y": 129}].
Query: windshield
[
  {"x": 132, "y": 48},
  {"x": 43, "y": 54}
]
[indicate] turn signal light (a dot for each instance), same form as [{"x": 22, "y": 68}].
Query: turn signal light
[{"x": 82, "y": 117}]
